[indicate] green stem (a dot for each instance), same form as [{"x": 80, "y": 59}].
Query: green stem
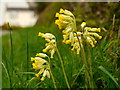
[
  {"x": 11, "y": 45},
  {"x": 83, "y": 54},
  {"x": 52, "y": 76},
  {"x": 27, "y": 60},
  {"x": 62, "y": 68},
  {"x": 85, "y": 63},
  {"x": 90, "y": 63}
]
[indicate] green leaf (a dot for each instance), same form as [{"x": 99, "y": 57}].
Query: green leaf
[
  {"x": 27, "y": 72},
  {"x": 106, "y": 72},
  {"x": 109, "y": 44}
]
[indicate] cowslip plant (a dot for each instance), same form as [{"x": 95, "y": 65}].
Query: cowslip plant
[
  {"x": 41, "y": 64},
  {"x": 51, "y": 46},
  {"x": 73, "y": 36},
  {"x": 76, "y": 37}
]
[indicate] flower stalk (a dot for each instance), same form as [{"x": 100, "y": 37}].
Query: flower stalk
[
  {"x": 76, "y": 38},
  {"x": 63, "y": 69},
  {"x": 53, "y": 80}
]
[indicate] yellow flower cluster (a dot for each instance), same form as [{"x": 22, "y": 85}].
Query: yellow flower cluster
[
  {"x": 51, "y": 43},
  {"x": 71, "y": 35},
  {"x": 88, "y": 33},
  {"x": 41, "y": 64},
  {"x": 65, "y": 20}
]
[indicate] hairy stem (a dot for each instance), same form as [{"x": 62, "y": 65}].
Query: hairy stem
[
  {"x": 90, "y": 64},
  {"x": 53, "y": 80},
  {"x": 63, "y": 68},
  {"x": 83, "y": 54}
]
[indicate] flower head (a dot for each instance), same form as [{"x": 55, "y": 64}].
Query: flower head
[
  {"x": 71, "y": 35},
  {"x": 66, "y": 12},
  {"x": 65, "y": 19},
  {"x": 51, "y": 45},
  {"x": 41, "y": 55},
  {"x": 42, "y": 65},
  {"x": 83, "y": 24}
]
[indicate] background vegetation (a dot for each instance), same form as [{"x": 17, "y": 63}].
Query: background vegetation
[{"x": 20, "y": 45}]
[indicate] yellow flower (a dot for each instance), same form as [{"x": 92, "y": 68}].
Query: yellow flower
[
  {"x": 95, "y": 34},
  {"x": 48, "y": 36},
  {"x": 42, "y": 79},
  {"x": 63, "y": 41},
  {"x": 76, "y": 47},
  {"x": 76, "y": 40},
  {"x": 60, "y": 27},
  {"x": 68, "y": 41},
  {"x": 83, "y": 24},
  {"x": 61, "y": 10},
  {"x": 72, "y": 35},
  {"x": 40, "y": 34},
  {"x": 57, "y": 22},
  {"x": 50, "y": 46},
  {"x": 63, "y": 17},
  {"x": 98, "y": 29},
  {"x": 78, "y": 51},
  {"x": 64, "y": 32},
  {"x": 41, "y": 55},
  {"x": 36, "y": 75},
  {"x": 100, "y": 37},
  {"x": 35, "y": 66},
  {"x": 32, "y": 59},
  {"x": 93, "y": 45},
  {"x": 57, "y": 15},
  {"x": 93, "y": 39},
  {"x": 46, "y": 44},
  {"x": 52, "y": 52},
  {"x": 95, "y": 42},
  {"x": 72, "y": 49},
  {"x": 46, "y": 73},
  {"x": 93, "y": 29},
  {"x": 42, "y": 65},
  {"x": 90, "y": 41},
  {"x": 44, "y": 50},
  {"x": 66, "y": 12}
]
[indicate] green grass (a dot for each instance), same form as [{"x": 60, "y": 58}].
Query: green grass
[{"x": 26, "y": 44}]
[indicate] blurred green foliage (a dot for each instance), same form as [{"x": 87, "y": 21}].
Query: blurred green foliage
[
  {"x": 72, "y": 61},
  {"x": 94, "y": 13},
  {"x": 106, "y": 53}
]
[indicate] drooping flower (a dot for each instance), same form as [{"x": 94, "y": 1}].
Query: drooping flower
[
  {"x": 66, "y": 22},
  {"x": 51, "y": 43},
  {"x": 41, "y": 55},
  {"x": 42, "y": 65}
]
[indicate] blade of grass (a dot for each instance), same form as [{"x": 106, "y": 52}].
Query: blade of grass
[
  {"x": 30, "y": 81},
  {"x": 7, "y": 62},
  {"x": 37, "y": 84},
  {"x": 27, "y": 72},
  {"x": 77, "y": 75},
  {"x": 27, "y": 61},
  {"x": 106, "y": 72},
  {"x": 7, "y": 69},
  {"x": 0, "y": 63},
  {"x": 7, "y": 73},
  {"x": 11, "y": 46},
  {"x": 109, "y": 44}
]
